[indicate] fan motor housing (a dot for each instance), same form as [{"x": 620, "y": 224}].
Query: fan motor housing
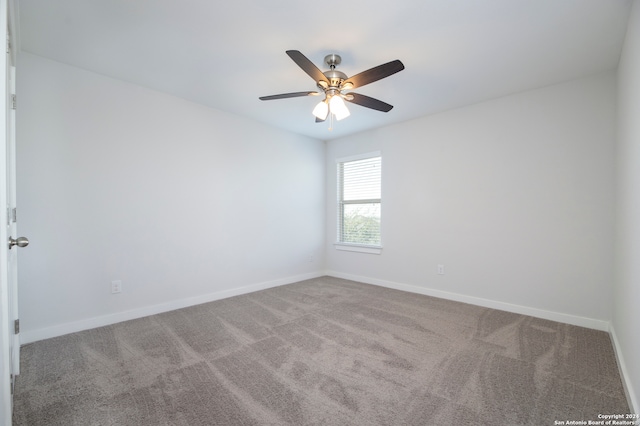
[{"x": 335, "y": 77}]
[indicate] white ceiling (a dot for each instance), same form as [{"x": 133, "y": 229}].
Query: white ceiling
[{"x": 227, "y": 54}]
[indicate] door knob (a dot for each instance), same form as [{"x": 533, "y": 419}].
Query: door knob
[{"x": 20, "y": 242}]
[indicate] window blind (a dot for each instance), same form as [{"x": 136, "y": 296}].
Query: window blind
[{"x": 359, "y": 201}]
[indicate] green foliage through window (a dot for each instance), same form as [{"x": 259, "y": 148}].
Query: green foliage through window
[{"x": 361, "y": 224}]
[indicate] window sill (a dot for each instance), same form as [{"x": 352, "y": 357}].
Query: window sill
[{"x": 358, "y": 248}]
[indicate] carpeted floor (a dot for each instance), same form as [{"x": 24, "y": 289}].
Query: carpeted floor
[{"x": 322, "y": 352}]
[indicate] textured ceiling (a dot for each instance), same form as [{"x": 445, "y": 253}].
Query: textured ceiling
[{"x": 227, "y": 54}]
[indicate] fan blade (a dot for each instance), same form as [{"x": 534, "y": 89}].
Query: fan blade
[
  {"x": 318, "y": 120},
  {"x": 288, "y": 95},
  {"x": 368, "y": 102},
  {"x": 307, "y": 66},
  {"x": 374, "y": 74}
]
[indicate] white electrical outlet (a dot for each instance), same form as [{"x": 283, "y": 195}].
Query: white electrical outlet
[
  {"x": 440, "y": 269},
  {"x": 310, "y": 258},
  {"x": 116, "y": 286}
]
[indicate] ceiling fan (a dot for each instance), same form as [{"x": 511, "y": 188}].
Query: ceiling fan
[{"x": 333, "y": 83}]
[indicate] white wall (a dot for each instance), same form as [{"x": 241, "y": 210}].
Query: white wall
[
  {"x": 180, "y": 202},
  {"x": 514, "y": 196},
  {"x": 626, "y": 313}
]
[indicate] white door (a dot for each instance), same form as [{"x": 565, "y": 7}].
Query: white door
[
  {"x": 9, "y": 339},
  {"x": 12, "y": 225}
]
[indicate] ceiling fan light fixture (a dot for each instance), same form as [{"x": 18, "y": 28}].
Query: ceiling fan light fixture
[
  {"x": 321, "y": 110},
  {"x": 338, "y": 108}
]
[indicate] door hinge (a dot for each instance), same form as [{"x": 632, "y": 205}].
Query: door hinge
[
  {"x": 16, "y": 326},
  {"x": 13, "y": 102},
  {"x": 13, "y": 382}
]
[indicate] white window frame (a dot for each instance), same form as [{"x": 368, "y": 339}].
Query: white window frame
[{"x": 347, "y": 246}]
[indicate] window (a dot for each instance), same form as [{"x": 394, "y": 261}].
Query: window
[{"x": 359, "y": 201}]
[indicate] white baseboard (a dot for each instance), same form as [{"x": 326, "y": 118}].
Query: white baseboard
[
  {"x": 634, "y": 405},
  {"x": 30, "y": 336},
  {"x": 518, "y": 309}
]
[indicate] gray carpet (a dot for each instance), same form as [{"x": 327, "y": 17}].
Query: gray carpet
[{"x": 322, "y": 352}]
